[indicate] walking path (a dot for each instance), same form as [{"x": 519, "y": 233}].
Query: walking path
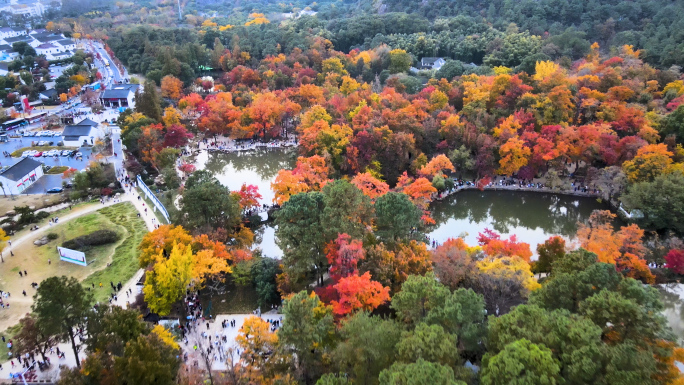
[{"x": 130, "y": 196}]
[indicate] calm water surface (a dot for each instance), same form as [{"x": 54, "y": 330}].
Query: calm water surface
[
  {"x": 532, "y": 216},
  {"x": 672, "y": 296},
  {"x": 257, "y": 167}
]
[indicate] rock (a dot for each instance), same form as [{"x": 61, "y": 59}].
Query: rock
[
  {"x": 11, "y": 213},
  {"x": 41, "y": 241}
]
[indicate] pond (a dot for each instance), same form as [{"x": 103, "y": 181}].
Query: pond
[
  {"x": 672, "y": 296},
  {"x": 532, "y": 216},
  {"x": 258, "y": 167}
]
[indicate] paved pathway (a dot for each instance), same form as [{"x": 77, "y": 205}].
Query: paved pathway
[{"x": 69, "y": 360}]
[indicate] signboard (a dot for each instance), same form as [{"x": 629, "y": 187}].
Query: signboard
[{"x": 73, "y": 256}]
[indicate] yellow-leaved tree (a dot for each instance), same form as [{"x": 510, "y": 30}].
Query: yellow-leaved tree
[
  {"x": 165, "y": 335},
  {"x": 509, "y": 268},
  {"x": 649, "y": 162},
  {"x": 257, "y": 342},
  {"x": 169, "y": 279},
  {"x": 514, "y": 155}
]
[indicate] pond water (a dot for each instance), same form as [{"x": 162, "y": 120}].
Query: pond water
[
  {"x": 532, "y": 216},
  {"x": 258, "y": 167},
  {"x": 672, "y": 296}
]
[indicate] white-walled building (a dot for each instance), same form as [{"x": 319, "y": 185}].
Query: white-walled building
[
  {"x": 79, "y": 135},
  {"x": 21, "y": 176},
  {"x": 6, "y": 32},
  {"x": 47, "y": 49},
  {"x": 26, "y": 8},
  {"x": 120, "y": 95}
]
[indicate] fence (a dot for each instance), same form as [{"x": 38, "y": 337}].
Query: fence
[{"x": 153, "y": 198}]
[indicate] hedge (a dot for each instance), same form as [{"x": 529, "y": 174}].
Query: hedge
[{"x": 96, "y": 238}]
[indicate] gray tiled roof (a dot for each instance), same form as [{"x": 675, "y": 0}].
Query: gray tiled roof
[
  {"x": 87, "y": 122},
  {"x": 15, "y": 39},
  {"x": 77, "y": 130},
  {"x": 117, "y": 92},
  {"x": 21, "y": 169}
]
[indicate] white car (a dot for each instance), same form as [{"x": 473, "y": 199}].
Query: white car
[
  {"x": 25, "y": 154},
  {"x": 66, "y": 153},
  {"x": 78, "y": 154},
  {"x": 33, "y": 152}
]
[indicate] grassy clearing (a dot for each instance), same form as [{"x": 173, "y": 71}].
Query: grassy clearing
[
  {"x": 9, "y": 334},
  {"x": 114, "y": 262},
  {"x": 8, "y": 202},
  {"x": 58, "y": 170},
  {"x": 20, "y": 151},
  {"x": 124, "y": 262}
]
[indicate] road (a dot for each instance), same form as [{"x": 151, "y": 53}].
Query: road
[{"x": 110, "y": 71}]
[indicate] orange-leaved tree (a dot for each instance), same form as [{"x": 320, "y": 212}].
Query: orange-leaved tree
[
  {"x": 438, "y": 164},
  {"x": 370, "y": 185},
  {"x": 494, "y": 246},
  {"x": 359, "y": 293}
]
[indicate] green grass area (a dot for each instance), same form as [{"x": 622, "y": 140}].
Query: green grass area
[
  {"x": 125, "y": 259},
  {"x": 57, "y": 170},
  {"x": 20, "y": 151},
  {"x": 9, "y": 334}
]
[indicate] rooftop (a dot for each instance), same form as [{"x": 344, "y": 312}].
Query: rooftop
[
  {"x": 21, "y": 169},
  {"x": 118, "y": 92},
  {"x": 15, "y": 39},
  {"x": 77, "y": 130},
  {"x": 87, "y": 122}
]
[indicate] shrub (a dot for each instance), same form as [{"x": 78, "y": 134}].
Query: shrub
[
  {"x": 96, "y": 238},
  {"x": 42, "y": 215},
  {"x": 52, "y": 236}
]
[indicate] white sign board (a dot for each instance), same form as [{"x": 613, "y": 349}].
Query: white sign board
[{"x": 73, "y": 256}]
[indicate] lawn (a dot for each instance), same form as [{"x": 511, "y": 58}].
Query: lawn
[
  {"x": 20, "y": 151},
  {"x": 124, "y": 262},
  {"x": 9, "y": 334},
  {"x": 57, "y": 170},
  {"x": 114, "y": 262}
]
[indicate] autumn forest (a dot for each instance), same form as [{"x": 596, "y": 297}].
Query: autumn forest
[{"x": 364, "y": 295}]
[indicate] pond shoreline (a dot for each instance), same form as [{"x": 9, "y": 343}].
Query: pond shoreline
[{"x": 515, "y": 188}]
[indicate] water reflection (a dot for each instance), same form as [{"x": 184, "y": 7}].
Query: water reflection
[
  {"x": 672, "y": 297},
  {"x": 258, "y": 167},
  {"x": 533, "y": 217}
]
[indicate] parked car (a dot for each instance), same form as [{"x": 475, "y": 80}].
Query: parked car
[
  {"x": 55, "y": 190},
  {"x": 38, "y": 153},
  {"x": 66, "y": 153},
  {"x": 78, "y": 154}
]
